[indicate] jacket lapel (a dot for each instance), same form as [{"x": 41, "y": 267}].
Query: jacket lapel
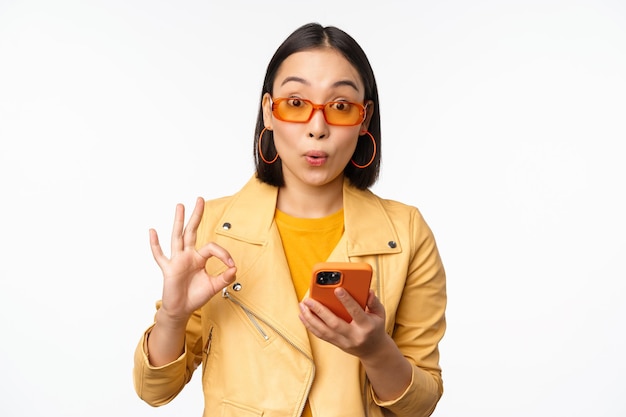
[{"x": 265, "y": 285}]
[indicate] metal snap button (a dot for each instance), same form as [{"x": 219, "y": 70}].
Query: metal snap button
[
  {"x": 392, "y": 244},
  {"x": 237, "y": 286},
  {"x": 226, "y": 226}
]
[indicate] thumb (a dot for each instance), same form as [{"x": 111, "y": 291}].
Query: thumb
[{"x": 227, "y": 277}]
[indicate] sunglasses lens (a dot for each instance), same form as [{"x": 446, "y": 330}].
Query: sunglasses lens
[
  {"x": 343, "y": 113},
  {"x": 293, "y": 110}
]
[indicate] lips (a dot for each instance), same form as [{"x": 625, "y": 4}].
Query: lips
[{"x": 316, "y": 158}]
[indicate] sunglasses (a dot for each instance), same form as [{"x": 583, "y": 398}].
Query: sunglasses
[{"x": 300, "y": 110}]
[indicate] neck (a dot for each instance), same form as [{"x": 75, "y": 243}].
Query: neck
[{"x": 311, "y": 201}]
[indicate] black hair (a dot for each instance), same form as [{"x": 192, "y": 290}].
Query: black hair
[{"x": 307, "y": 37}]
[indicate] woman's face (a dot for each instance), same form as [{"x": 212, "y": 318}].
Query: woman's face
[{"x": 315, "y": 153}]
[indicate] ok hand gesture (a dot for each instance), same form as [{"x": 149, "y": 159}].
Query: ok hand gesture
[{"x": 186, "y": 285}]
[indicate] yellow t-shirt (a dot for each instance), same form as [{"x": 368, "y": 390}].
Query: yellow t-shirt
[{"x": 307, "y": 242}]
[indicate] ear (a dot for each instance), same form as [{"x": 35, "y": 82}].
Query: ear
[
  {"x": 267, "y": 111},
  {"x": 369, "y": 111}
]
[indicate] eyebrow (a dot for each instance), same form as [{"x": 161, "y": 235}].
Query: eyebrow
[{"x": 305, "y": 82}]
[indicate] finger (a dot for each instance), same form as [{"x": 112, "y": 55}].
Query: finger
[
  {"x": 189, "y": 235},
  {"x": 354, "y": 309},
  {"x": 374, "y": 305},
  {"x": 319, "y": 315},
  {"x": 309, "y": 318},
  {"x": 177, "y": 229},
  {"x": 155, "y": 247},
  {"x": 320, "y": 321},
  {"x": 213, "y": 249}
]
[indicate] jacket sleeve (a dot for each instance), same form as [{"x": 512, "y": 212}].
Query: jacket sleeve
[
  {"x": 159, "y": 385},
  {"x": 420, "y": 324}
]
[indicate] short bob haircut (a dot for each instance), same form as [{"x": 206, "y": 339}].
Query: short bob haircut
[{"x": 307, "y": 37}]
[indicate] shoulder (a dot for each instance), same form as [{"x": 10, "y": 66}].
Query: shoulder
[
  {"x": 396, "y": 210},
  {"x": 407, "y": 220},
  {"x": 399, "y": 210},
  {"x": 250, "y": 192},
  {"x": 251, "y": 209}
]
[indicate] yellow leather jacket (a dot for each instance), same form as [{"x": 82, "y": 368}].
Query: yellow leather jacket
[{"x": 255, "y": 354}]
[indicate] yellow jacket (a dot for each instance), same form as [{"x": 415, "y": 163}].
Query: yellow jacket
[{"x": 257, "y": 357}]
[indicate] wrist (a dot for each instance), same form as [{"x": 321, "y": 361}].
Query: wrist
[
  {"x": 388, "y": 370},
  {"x": 172, "y": 322},
  {"x": 380, "y": 352}
]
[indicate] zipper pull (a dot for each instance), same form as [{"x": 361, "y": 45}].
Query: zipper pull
[{"x": 207, "y": 346}]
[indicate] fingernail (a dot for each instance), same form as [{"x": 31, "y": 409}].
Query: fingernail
[
  {"x": 231, "y": 262},
  {"x": 340, "y": 292}
]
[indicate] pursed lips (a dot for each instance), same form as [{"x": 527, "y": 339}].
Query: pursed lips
[{"x": 316, "y": 158}]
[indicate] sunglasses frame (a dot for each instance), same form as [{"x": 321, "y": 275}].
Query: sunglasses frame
[{"x": 274, "y": 103}]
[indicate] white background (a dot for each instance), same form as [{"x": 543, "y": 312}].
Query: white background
[{"x": 503, "y": 121}]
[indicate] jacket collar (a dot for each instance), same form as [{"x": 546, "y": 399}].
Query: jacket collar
[
  {"x": 368, "y": 228},
  {"x": 251, "y": 211}
]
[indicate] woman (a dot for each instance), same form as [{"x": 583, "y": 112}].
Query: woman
[{"x": 235, "y": 287}]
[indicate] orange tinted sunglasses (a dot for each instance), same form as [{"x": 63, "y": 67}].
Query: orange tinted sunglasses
[{"x": 300, "y": 110}]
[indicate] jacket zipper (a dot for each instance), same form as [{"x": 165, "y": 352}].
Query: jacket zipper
[
  {"x": 253, "y": 318},
  {"x": 254, "y": 322},
  {"x": 207, "y": 345},
  {"x": 207, "y": 348}
]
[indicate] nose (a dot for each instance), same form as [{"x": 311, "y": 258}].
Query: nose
[{"x": 318, "y": 128}]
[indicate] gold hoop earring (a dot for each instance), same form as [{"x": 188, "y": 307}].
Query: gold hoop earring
[
  {"x": 373, "y": 154},
  {"x": 261, "y": 152}
]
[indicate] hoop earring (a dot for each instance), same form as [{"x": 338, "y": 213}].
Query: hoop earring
[
  {"x": 261, "y": 152},
  {"x": 373, "y": 155}
]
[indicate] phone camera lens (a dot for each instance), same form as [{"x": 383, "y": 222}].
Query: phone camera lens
[{"x": 328, "y": 277}]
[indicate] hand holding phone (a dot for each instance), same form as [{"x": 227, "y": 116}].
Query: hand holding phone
[{"x": 354, "y": 277}]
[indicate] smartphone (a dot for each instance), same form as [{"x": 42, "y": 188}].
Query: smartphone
[{"x": 354, "y": 277}]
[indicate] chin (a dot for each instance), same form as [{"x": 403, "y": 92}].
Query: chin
[{"x": 322, "y": 180}]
